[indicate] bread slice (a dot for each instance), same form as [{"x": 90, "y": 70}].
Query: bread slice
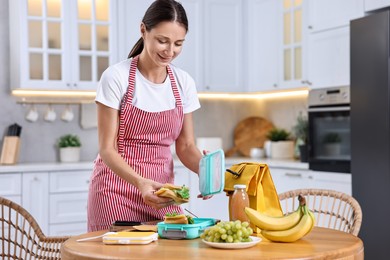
[
  {"x": 167, "y": 191},
  {"x": 178, "y": 219}
]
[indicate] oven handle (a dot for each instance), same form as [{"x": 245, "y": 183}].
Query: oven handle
[{"x": 328, "y": 109}]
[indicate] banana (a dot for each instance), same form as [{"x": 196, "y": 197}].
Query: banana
[
  {"x": 303, "y": 227},
  {"x": 265, "y": 222},
  {"x": 313, "y": 220}
]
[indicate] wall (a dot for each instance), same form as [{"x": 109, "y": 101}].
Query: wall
[{"x": 38, "y": 140}]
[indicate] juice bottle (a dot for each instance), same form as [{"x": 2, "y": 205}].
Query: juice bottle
[{"x": 238, "y": 202}]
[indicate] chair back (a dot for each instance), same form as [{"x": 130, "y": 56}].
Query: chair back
[
  {"x": 332, "y": 209},
  {"x": 22, "y": 238}
]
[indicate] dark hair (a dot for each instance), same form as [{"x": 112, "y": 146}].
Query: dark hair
[{"x": 160, "y": 11}]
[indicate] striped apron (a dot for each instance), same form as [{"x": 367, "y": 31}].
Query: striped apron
[{"x": 144, "y": 140}]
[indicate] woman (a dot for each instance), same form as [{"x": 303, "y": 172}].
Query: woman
[{"x": 144, "y": 105}]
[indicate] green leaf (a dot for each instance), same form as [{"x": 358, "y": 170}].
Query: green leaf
[{"x": 184, "y": 192}]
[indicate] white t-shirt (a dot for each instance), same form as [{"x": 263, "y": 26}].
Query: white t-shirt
[{"x": 148, "y": 96}]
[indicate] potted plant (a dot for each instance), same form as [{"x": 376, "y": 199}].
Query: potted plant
[
  {"x": 332, "y": 144},
  {"x": 69, "y": 146},
  {"x": 281, "y": 146},
  {"x": 301, "y": 131}
]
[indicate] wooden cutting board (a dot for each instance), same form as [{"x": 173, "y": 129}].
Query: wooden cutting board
[{"x": 250, "y": 132}]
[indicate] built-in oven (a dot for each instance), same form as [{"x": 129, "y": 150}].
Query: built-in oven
[{"x": 329, "y": 139}]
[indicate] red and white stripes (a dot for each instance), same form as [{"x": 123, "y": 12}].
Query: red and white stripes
[{"x": 144, "y": 139}]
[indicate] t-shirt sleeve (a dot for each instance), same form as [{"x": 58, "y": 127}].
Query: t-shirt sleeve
[
  {"x": 109, "y": 90},
  {"x": 190, "y": 95}
]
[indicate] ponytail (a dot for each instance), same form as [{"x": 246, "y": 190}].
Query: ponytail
[{"x": 137, "y": 48}]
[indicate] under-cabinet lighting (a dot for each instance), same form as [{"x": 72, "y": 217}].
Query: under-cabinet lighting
[
  {"x": 53, "y": 93},
  {"x": 256, "y": 95},
  {"x": 66, "y": 96}
]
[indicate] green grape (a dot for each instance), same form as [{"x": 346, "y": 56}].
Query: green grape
[{"x": 228, "y": 232}]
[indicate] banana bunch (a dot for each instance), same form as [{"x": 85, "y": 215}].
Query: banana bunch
[{"x": 288, "y": 228}]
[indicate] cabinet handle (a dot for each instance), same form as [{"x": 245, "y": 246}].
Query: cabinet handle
[
  {"x": 275, "y": 85},
  {"x": 68, "y": 84},
  {"x": 308, "y": 82},
  {"x": 74, "y": 84},
  {"x": 35, "y": 179},
  {"x": 295, "y": 175},
  {"x": 310, "y": 27}
]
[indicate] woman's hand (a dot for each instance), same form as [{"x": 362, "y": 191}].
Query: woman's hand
[
  {"x": 147, "y": 188},
  {"x": 204, "y": 197}
]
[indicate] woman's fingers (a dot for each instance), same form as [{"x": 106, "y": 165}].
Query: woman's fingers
[{"x": 205, "y": 197}]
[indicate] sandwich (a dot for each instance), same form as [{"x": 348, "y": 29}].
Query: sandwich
[
  {"x": 180, "y": 194},
  {"x": 176, "y": 218}
]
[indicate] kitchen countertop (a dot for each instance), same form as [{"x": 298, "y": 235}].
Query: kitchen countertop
[{"x": 57, "y": 166}]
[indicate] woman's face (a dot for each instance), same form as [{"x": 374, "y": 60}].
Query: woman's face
[{"x": 164, "y": 42}]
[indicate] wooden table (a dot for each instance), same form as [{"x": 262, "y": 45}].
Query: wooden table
[{"x": 321, "y": 243}]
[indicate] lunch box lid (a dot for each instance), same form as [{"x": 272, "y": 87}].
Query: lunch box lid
[
  {"x": 184, "y": 231},
  {"x": 212, "y": 173}
]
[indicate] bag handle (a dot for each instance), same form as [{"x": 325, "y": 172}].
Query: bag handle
[{"x": 235, "y": 174}]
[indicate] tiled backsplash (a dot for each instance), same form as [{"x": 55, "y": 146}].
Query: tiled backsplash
[{"x": 218, "y": 118}]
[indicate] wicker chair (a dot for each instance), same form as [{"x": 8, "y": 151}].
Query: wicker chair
[
  {"x": 21, "y": 236},
  {"x": 332, "y": 209}
]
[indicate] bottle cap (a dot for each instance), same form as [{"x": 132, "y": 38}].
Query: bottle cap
[{"x": 239, "y": 186}]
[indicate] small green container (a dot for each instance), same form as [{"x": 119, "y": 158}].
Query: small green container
[
  {"x": 212, "y": 173},
  {"x": 184, "y": 231}
]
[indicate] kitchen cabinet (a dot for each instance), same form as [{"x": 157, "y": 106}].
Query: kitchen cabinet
[
  {"x": 192, "y": 57},
  {"x": 290, "y": 179},
  {"x": 68, "y": 198},
  {"x": 264, "y": 27},
  {"x": 371, "y": 5},
  {"x": 11, "y": 186},
  {"x": 130, "y": 14},
  {"x": 61, "y": 45},
  {"x": 329, "y": 58},
  {"x": 330, "y": 14},
  {"x": 223, "y": 43},
  {"x": 293, "y": 44},
  {"x": 56, "y": 199},
  {"x": 35, "y": 199},
  {"x": 215, "y": 207}
]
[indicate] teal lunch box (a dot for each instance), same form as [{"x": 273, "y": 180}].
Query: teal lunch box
[
  {"x": 184, "y": 231},
  {"x": 212, "y": 173}
]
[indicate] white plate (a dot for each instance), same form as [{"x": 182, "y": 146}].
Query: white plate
[{"x": 255, "y": 240}]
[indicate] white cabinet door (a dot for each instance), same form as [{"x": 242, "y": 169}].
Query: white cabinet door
[
  {"x": 69, "y": 181},
  {"x": 217, "y": 207},
  {"x": 192, "y": 57},
  {"x": 130, "y": 14},
  {"x": 341, "y": 182},
  {"x": 11, "y": 187},
  {"x": 329, "y": 14},
  {"x": 223, "y": 39},
  {"x": 370, "y": 5},
  {"x": 264, "y": 31},
  {"x": 68, "y": 207},
  {"x": 69, "y": 229},
  {"x": 291, "y": 179},
  {"x": 294, "y": 16},
  {"x": 35, "y": 199},
  {"x": 329, "y": 58},
  {"x": 62, "y": 45},
  {"x": 182, "y": 176}
]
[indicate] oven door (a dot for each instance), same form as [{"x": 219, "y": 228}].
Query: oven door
[{"x": 330, "y": 139}]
